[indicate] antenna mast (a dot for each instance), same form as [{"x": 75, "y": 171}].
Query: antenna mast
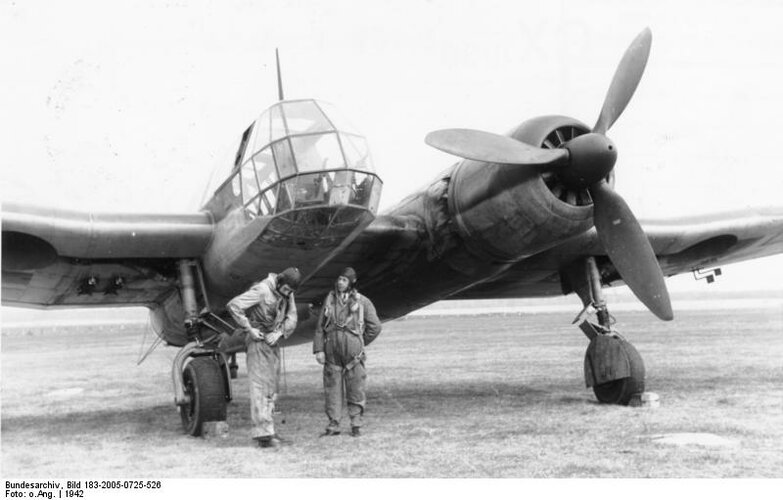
[{"x": 279, "y": 77}]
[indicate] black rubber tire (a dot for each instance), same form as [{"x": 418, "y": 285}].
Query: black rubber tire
[
  {"x": 203, "y": 381},
  {"x": 620, "y": 391}
]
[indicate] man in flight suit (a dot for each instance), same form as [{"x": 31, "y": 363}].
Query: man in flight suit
[
  {"x": 267, "y": 312},
  {"x": 348, "y": 322}
]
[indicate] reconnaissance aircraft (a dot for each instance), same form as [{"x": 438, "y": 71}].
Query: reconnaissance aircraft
[{"x": 529, "y": 214}]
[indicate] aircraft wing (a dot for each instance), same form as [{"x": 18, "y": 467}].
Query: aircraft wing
[
  {"x": 681, "y": 246},
  {"x": 49, "y": 255}
]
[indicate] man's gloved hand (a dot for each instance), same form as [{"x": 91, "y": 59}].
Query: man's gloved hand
[
  {"x": 320, "y": 357},
  {"x": 256, "y": 334},
  {"x": 273, "y": 337}
]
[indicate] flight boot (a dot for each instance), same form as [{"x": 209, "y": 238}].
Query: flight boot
[
  {"x": 333, "y": 429},
  {"x": 271, "y": 441}
]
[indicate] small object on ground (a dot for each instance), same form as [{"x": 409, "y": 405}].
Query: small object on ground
[
  {"x": 214, "y": 429},
  {"x": 645, "y": 399}
]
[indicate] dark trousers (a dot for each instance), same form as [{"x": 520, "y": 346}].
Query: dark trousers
[{"x": 345, "y": 378}]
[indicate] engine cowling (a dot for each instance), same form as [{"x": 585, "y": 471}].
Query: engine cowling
[{"x": 508, "y": 212}]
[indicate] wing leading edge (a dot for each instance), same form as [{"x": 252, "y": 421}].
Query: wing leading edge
[
  {"x": 64, "y": 258},
  {"x": 681, "y": 245}
]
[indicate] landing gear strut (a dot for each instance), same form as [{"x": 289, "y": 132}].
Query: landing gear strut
[
  {"x": 201, "y": 373},
  {"x": 613, "y": 367}
]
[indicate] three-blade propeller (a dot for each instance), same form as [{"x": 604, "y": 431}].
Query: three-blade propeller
[{"x": 584, "y": 162}]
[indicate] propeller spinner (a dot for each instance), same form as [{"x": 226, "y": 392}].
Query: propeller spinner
[{"x": 585, "y": 161}]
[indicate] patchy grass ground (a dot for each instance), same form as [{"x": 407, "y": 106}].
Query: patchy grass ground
[{"x": 486, "y": 396}]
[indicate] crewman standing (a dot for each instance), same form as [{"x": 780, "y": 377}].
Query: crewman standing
[
  {"x": 267, "y": 312},
  {"x": 348, "y": 323}
]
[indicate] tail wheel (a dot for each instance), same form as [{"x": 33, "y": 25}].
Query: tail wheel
[
  {"x": 203, "y": 382},
  {"x": 620, "y": 391}
]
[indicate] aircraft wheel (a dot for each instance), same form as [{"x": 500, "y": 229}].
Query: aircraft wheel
[
  {"x": 203, "y": 382},
  {"x": 620, "y": 391}
]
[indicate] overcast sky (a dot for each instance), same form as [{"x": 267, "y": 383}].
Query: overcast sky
[{"x": 129, "y": 106}]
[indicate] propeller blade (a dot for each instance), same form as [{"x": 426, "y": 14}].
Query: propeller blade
[
  {"x": 626, "y": 79},
  {"x": 492, "y": 148},
  {"x": 629, "y": 249}
]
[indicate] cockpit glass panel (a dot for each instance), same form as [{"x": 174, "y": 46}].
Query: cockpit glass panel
[
  {"x": 268, "y": 201},
  {"x": 261, "y": 133},
  {"x": 304, "y": 117},
  {"x": 252, "y": 208},
  {"x": 286, "y": 195},
  {"x": 317, "y": 152},
  {"x": 311, "y": 190},
  {"x": 343, "y": 178},
  {"x": 375, "y": 196},
  {"x": 357, "y": 154},
  {"x": 276, "y": 123},
  {"x": 249, "y": 182},
  {"x": 338, "y": 120},
  {"x": 236, "y": 185},
  {"x": 243, "y": 153},
  {"x": 284, "y": 158},
  {"x": 362, "y": 189},
  {"x": 265, "y": 168}
]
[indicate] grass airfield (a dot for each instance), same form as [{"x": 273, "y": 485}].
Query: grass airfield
[{"x": 477, "y": 396}]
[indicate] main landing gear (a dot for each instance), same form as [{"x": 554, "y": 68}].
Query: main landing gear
[
  {"x": 203, "y": 368},
  {"x": 201, "y": 386},
  {"x": 613, "y": 367}
]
